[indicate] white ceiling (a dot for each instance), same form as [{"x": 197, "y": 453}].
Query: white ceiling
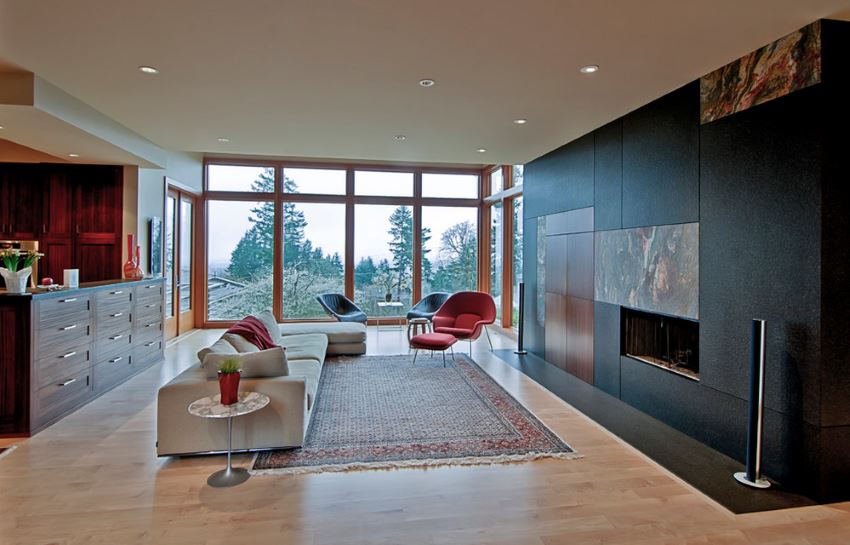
[{"x": 338, "y": 79}]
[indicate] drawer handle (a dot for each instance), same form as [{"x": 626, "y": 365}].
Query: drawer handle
[
  {"x": 119, "y": 292},
  {"x": 116, "y": 337},
  {"x": 117, "y": 314},
  {"x": 69, "y": 354},
  {"x": 68, "y": 327},
  {"x": 151, "y": 324},
  {"x": 152, "y": 286},
  {"x": 67, "y": 382},
  {"x": 116, "y": 360},
  {"x": 69, "y": 300},
  {"x": 150, "y": 344},
  {"x": 151, "y": 305}
]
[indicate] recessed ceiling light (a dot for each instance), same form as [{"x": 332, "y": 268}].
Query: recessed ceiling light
[
  {"x": 427, "y": 82},
  {"x": 73, "y": 155},
  {"x": 481, "y": 150},
  {"x": 223, "y": 140},
  {"x": 589, "y": 69},
  {"x": 400, "y": 137},
  {"x": 148, "y": 70},
  {"x": 520, "y": 121},
  {"x": 2, "y": 127}
]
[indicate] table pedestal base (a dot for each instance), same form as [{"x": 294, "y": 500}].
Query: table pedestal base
[{"x": 230, "y": 476}]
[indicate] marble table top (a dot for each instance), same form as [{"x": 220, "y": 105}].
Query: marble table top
[{"x": 211, "y": 407}]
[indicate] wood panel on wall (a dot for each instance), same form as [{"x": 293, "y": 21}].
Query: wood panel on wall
[
  {"x": 569, "y": 292},
  {"x": 556, "y": 330},
  {"x": 579, "y": 334}
]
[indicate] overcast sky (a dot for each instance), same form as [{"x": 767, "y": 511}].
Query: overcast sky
[{"x": 229, "y": 220}]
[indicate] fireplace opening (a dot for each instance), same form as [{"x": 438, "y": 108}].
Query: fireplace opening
[{"x": 664, "y": 341}]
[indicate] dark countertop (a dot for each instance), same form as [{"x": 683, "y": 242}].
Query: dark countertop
[{"x": 85, "y": 286}]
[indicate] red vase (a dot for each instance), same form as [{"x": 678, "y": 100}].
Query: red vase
[
  {"x": 139, "y": 271},
  {"x": 228, "y": 384},
  {"x": 130, "y": 265}
]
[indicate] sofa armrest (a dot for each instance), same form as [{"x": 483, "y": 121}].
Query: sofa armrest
[{"x": 282, "y": 423}]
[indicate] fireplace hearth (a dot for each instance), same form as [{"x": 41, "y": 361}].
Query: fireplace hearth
[{"x": 668, "y": 342}]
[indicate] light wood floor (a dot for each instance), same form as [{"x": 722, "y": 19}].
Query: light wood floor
[{"x": 93, "y": 478}]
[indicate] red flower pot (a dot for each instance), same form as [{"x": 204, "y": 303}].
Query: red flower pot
[{"x": 228, "y": 384}]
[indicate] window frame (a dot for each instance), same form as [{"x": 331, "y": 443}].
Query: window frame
[
  {"x": 506, "y": 198},
  {"x": 349, "y": 199}
]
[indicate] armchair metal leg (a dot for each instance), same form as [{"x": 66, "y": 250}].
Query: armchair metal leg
[
  {"x": 415, "y": 353},
  {"x": 453, "y": 352},
  {"x": 444, "y": 357},
  {"x": 487, "y": 331}
]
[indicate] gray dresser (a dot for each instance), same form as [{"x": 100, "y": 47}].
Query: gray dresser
[{"x": 63, "y": 349}]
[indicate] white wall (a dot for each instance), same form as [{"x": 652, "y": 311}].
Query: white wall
[{"x": 184, "y": 168}]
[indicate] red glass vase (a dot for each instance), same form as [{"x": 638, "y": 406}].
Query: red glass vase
[
  {"x": 228, "y": 385},
  {"x": 130, "y": 265},
  {"x": 139, "y": 272}
]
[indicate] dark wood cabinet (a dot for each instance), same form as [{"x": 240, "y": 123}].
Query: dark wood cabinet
[
  {"x": 75, "y": 213},
  {"x": 20, "y": 199}
]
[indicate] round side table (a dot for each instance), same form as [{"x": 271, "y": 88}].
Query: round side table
[
  {"x": 417, "y": 326},
  {"x": 211, "y": 407}
]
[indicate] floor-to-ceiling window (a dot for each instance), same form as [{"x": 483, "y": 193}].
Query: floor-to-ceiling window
[
  {"x": 503, "y": 208},
  {"x": 278, "y": 234}
]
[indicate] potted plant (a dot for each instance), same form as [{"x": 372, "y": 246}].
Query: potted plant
[
  {"x": 16, "y": 268},
  {"x": 228, "y": 381}
]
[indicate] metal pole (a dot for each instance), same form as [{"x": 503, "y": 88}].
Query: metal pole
[
  {"x": 755, "y": 425},
  {"x": 520, "y": 349}
]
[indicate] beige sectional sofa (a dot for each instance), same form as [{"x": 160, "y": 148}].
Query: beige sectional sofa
[{"x": 284, "y": 422}]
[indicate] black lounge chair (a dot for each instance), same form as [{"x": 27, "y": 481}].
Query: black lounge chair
[
  {"x": 341, "y": 307},
  {"x": 428, "y": 306}
]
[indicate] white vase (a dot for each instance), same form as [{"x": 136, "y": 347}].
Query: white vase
[{"x": 16, "y": 282}]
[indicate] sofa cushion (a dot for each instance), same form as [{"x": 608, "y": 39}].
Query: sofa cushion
[
  {"x": 337, "y": 332},
  {"x": 262, "y": 364},
  {"x": 311, "y": 370},
  {"x": 268, "y": 320},
  {"x": 240, "y": 343},
  {"x": 305, "y": 347},
  {"x": 221, "y": 346}
]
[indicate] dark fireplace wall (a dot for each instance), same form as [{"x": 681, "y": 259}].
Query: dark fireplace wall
[{"x": 767, "y": 186}]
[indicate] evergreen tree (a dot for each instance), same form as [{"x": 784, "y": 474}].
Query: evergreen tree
[
  {"x": 254, "y": 253},
  {"x": 365, "y": 271}
]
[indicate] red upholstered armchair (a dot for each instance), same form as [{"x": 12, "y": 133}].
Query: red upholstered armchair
[{"x": 465, "y": 314}]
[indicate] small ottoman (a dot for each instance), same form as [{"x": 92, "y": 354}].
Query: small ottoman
[{"x": 433, "y": 341}]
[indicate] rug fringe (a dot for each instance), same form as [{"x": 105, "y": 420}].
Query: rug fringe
[{"x": 431, "y": 462}]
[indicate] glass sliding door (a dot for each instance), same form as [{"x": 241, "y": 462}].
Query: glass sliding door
[
  {"x": 170, "y": 261},
  {"x": 179, "y": 262}
]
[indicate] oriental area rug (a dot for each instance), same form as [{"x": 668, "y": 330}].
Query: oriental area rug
[{"x": 385, "y": 412}]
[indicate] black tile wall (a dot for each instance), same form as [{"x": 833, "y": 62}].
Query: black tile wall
[{"x": 661, "y": 160}]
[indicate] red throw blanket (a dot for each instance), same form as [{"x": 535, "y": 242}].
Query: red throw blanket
[{"x": 254, "y": 332}]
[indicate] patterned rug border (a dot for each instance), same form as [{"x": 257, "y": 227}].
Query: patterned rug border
[
  {"x": 5, "y": 451},
  {"x": 425, "y": 463},
  {"x": 417, "y": 464}
]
